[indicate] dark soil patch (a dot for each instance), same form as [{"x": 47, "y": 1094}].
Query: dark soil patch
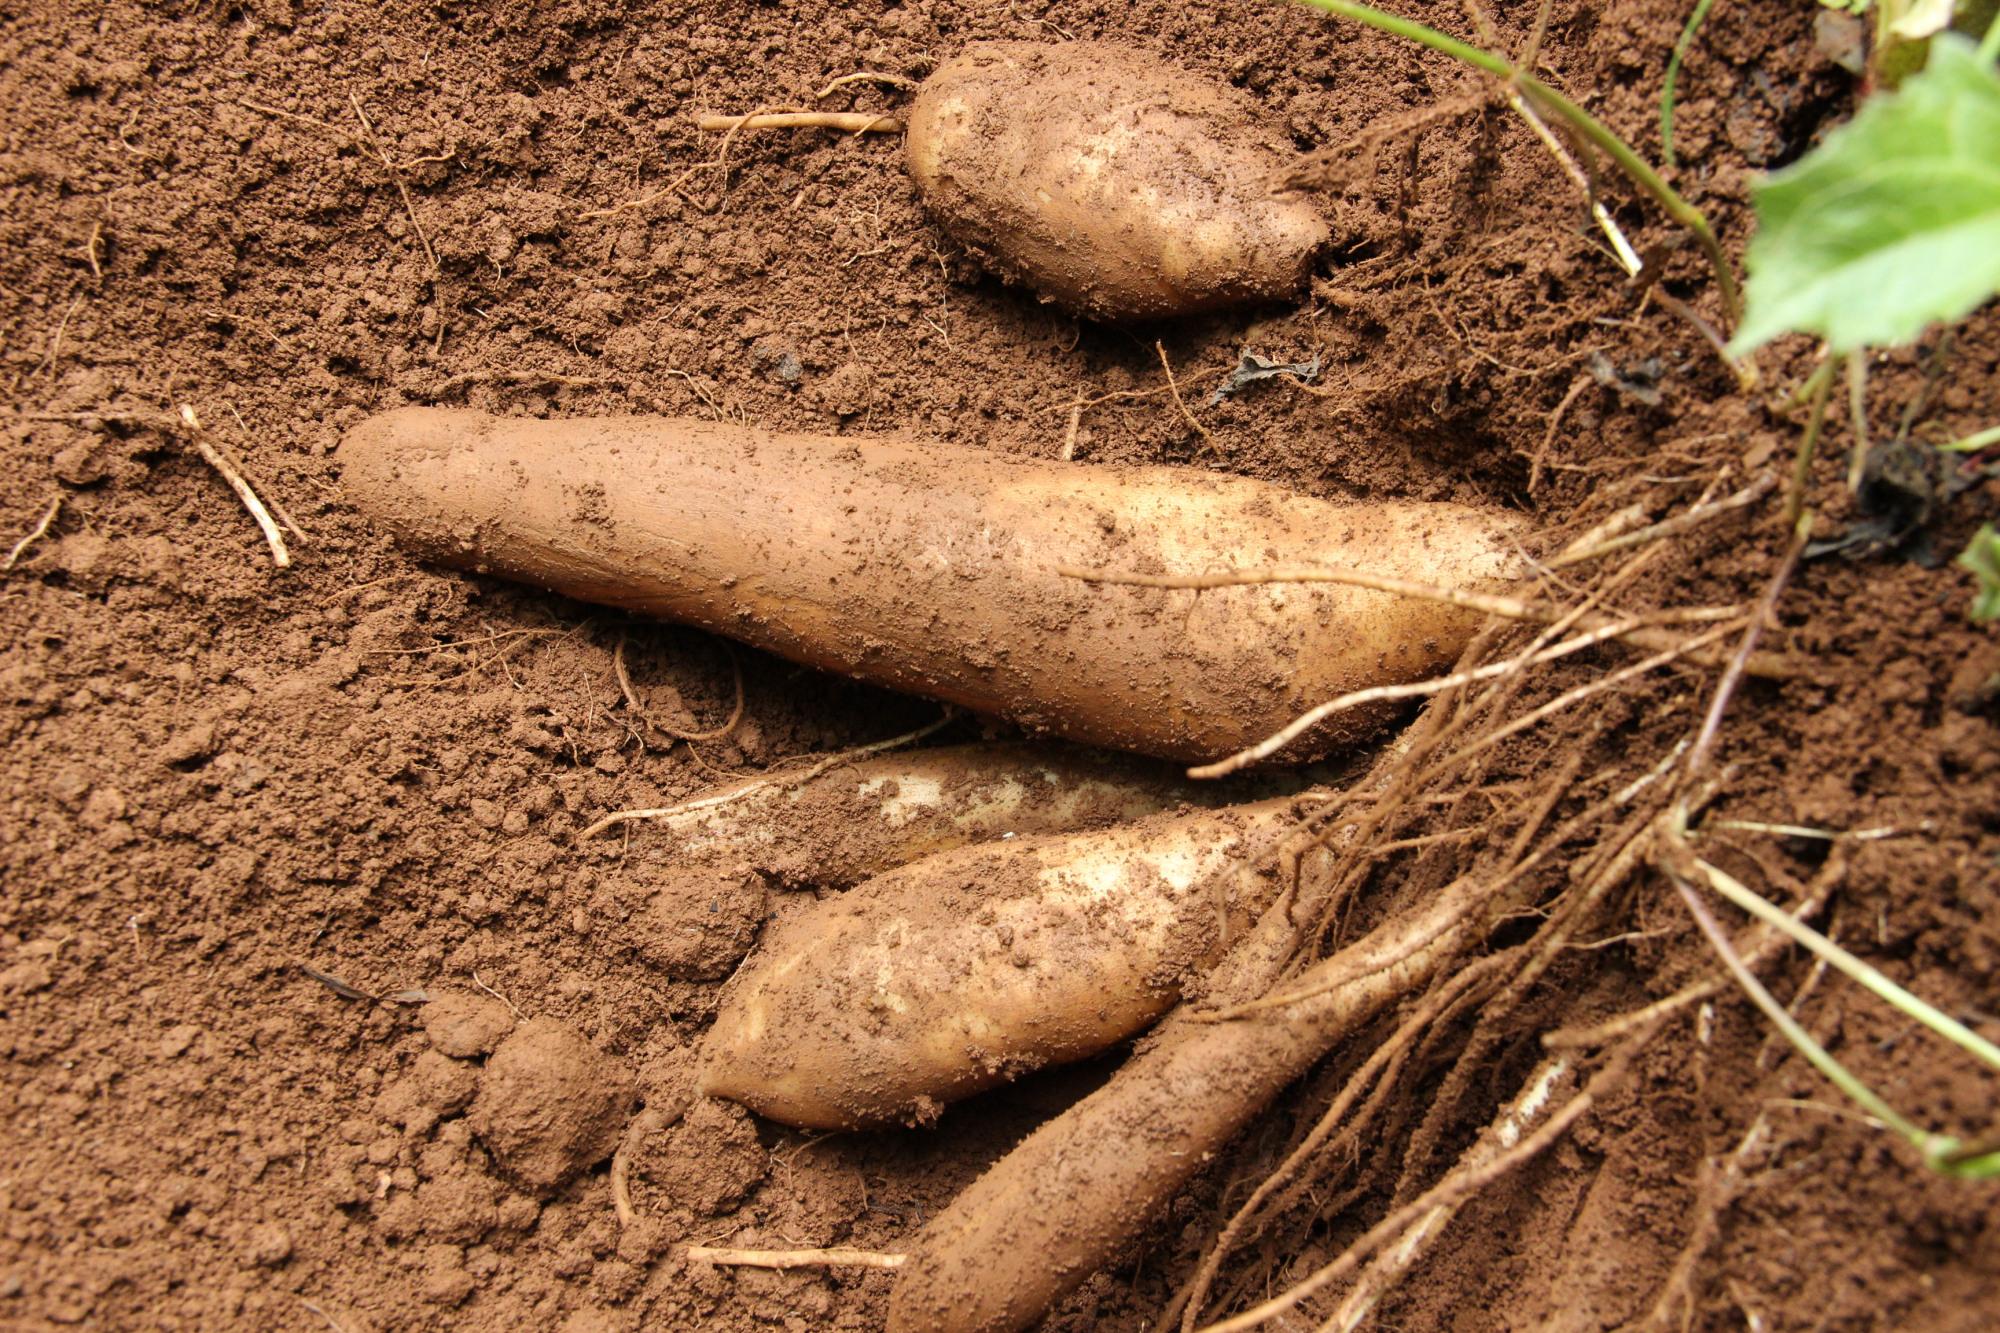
[{"x": 218, "y": 775}]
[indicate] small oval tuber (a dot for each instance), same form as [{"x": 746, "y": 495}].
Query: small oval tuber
[{"x": 1109, "y": 181}]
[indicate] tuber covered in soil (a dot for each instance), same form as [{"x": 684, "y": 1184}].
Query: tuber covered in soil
[
  {"x": 1111, "y": 182},
  {"x": 1081, "y": 1188},
  {"x": 935, "y": 569},
  {"x": 875, "y": 814},
  {"x": 956, "y": 973}
]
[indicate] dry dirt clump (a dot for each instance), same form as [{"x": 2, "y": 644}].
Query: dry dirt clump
[
  {"x": 702, "y": 922},
  {"x": 712, "y": 1159},
  {"x": 463, "y": 1025},
  {"x": 550, "y": 1104}
]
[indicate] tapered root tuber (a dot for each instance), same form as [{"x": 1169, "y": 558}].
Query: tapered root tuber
[
  {"x": 1074, "y": 1193},
  {"x": 933, "y": 569}
]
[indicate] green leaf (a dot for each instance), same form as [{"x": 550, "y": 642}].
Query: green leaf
[
  {"x": 1915, "y": 20},
  {"x": 1890, "y": 224},
  {"x": 1982, "y": 558}
]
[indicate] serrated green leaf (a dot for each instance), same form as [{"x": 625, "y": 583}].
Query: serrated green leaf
[
  {"x": 1982, "y": 558},
  {"x": 1889, "y": 225}
]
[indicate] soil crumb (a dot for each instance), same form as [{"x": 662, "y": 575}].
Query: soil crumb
[{"x": 550, "y": 1104}]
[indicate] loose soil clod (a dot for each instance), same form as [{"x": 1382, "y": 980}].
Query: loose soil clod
[
  {"x": 465, "y": 1026},
  {"x": 550, "y": 1104}
]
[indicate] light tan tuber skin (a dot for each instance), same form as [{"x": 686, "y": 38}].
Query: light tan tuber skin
[
  {"x": 1113, "y": 183},
  {"x": 964, "y": 970},
  {"x": 869, "y": 815},
  {"x": 1081, "y": 1188},
  {"x": 933, "y": 569},
  {"x": 863, "y": 818}
]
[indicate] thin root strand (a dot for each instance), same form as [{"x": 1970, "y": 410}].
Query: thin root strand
[
  {"x": 215, "y": 459},
  {"x": 618, "y": 817},
  {"x": 852, "y": 122},
  {"x": 35, "y": 534},
  {"x": 632, "y": 698},
  {"x": 1449, "y": 1192},
  {"x": 1766, "y": 665},
  {"x": 864, "y": 76},
  {"x": 1670, "y": 527},
  {"x": 838, "y": 1257},
  {"x": 1312, "y": 717}
]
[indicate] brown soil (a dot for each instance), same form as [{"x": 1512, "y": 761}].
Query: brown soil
[{"x": 250, "y": 817}]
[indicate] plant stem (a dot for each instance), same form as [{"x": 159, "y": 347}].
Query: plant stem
[
  {"x": 1818, "y": 386},
  {"x": 1836, "y": 1073},
  {"x": 1989, "y": 46},
  {"x": 1628, "y": 258},
  {"x": 1695, "y": 20},
  {"x": 1972, "y": 444},
  {"x": 1569, "y": 112},
  {"x": 1888, "y": 991},
  {"x": 1857, "y": 411}
]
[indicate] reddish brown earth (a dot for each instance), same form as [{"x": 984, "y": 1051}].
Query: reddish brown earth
[{"x": 236, "y": 802}]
